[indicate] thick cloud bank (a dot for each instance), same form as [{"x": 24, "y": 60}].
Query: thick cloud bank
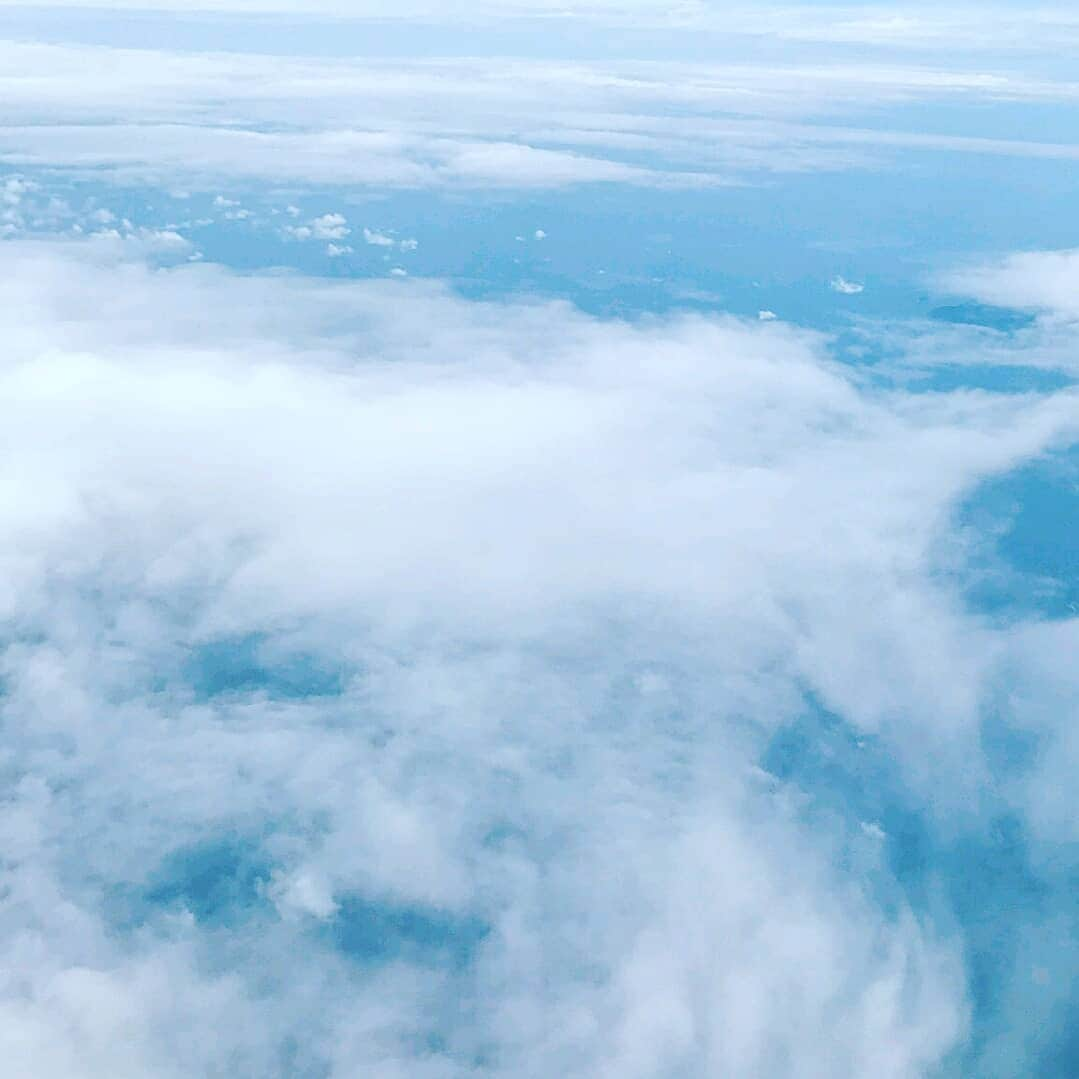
[{"x": 391, "y": 684}]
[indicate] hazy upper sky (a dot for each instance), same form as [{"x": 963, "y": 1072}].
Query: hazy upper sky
[{"x": 539, "y": 539}]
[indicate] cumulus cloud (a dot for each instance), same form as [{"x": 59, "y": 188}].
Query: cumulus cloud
[
  {"x": 387, "y": 670},
  {"x": 330, "y": 227},
  {"x": 13, "y": 190},
  {"x": 11, "y": 194},
  {"x": 375, "y": 238},
  {"x": 378, "y": 239}
]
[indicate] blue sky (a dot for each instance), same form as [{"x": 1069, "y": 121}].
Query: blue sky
[{"x": 539, "y": 539}]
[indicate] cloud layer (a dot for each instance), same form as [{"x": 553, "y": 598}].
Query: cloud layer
[
  {"x": 201, "y": 117},
  {"x": 390, "y": 682}
]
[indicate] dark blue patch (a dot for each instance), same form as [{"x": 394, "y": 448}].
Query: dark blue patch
[
  {"x": 216, "y": 881},
  {"x": 984, "y": 877},
  {"x": 1033, "y": 566},
  {"x": 994, "y": 892},
  {"x": 247, "y": 665},
  {"x": 1060, "y": 1059},
  {"x": 996, "y": 378},
  {"x": 369, "y": 932},
  {"x": 1002, "y": 319},
  {"x": 846, "y": 771}
]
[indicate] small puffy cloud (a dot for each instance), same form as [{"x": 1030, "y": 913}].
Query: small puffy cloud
[
  {"x": 845, "y": 287},
  {"x": 164, "y": 239},
  {"x": 13, "y": 192},
  {"x": 539, "y": 234},
  {"x": 378, "y": 239},
  {"x": 338, "y": 250},
  {"x": 14, "y": 188},
  {"x": 231, "y": 209},
  {"x": 306, "y": 892},
  {"x": 330, "y": 227},
  {"x": 766, "y": 316},
  {"x": 134, "y": 242}
]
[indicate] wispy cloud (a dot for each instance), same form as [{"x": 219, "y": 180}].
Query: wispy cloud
[
  {"x": 494, "y": 123},
  {"x": 1046, "y": 281},
  {"x": 846, "y": 288}
]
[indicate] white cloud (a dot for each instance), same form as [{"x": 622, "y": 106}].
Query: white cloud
[
  {"x": 568, "y": 577},
  {"x": 130, "y": 242},
  {"x": 330, "y": 227},
  {"x": 13, "y": 190},
  {"x": 845, "y": 287},
  {"x": 389, "y": 681},
  {"x": 375, "y": 238},
  {"x": 378, "y": 239},
  {"x": 546, "y": 554},
  {"x": 198, "y": 120},
  {"x": 305, "y": 893},
  {"x": 956, "y": 27},
  {"x": 1041, "y": 284},
  {"x": 1046, "y": 281}
]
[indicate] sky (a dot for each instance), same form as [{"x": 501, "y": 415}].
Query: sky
[{"x": 539, "y": 538}]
